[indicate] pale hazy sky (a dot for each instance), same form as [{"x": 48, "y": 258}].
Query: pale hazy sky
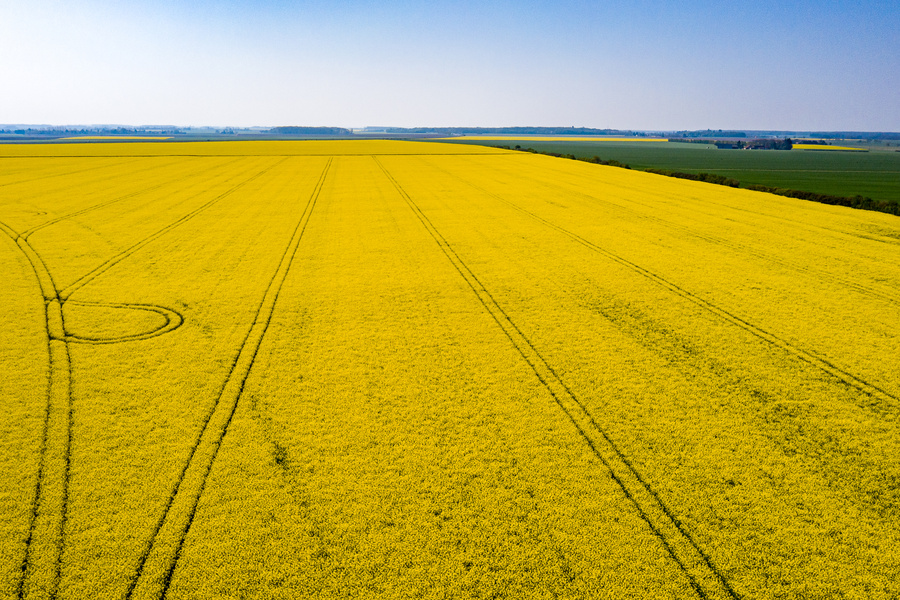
[{"x": 652, "y": 64}]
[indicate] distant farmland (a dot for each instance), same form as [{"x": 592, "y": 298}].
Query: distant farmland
[
  {"x": 874, "y": 174},
  {"x": 402, "y": 369}
]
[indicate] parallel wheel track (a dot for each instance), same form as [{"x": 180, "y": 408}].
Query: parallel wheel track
[
  {"x": 50, "y": 175},
  {"x": 710, "y": 238},
  {"x": 42, "y": 560},
  {"x": 878, "y": 395},
  {"x": 702, "y": 574},
  {"x": 172, "y": 321},
  {"x": 113, "y": 261},
  {"x": 157, "y": 563},
  {"x": 881, "y": 400},
  {"x": 28, "y": 232}
]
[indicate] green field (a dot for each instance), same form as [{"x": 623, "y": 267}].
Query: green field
[{"x": 875, "y": 174}]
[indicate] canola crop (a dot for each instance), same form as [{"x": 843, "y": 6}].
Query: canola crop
[
  {"x": 400, "y": 369},
  {"x": 827, "y": 147}
]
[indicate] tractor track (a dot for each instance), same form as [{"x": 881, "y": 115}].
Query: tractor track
[
  {"x": 698, "y": 568},
  {"x": 65, "y": 293},
  {"x": 42, "y": 560},
  {"x": 710, "y": 238},
  {"x": 156, "y": 564},
  {"x": 881, "y": 400},
  {"x": 28, "y": 232}
]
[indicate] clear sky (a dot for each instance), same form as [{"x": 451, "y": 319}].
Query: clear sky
[{"x": 645, "y": 64}]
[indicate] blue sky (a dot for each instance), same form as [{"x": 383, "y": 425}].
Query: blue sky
[{"x": 827, "y": 65}]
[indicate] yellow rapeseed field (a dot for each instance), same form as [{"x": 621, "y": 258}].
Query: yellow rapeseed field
[
  {"x": 383, "y": 369},
  {"x": 826, "y": 147}
]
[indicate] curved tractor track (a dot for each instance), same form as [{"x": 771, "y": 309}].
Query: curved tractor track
[
  {"x": 41, "y": 563},
  {"x": 157, "y": 563}
]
